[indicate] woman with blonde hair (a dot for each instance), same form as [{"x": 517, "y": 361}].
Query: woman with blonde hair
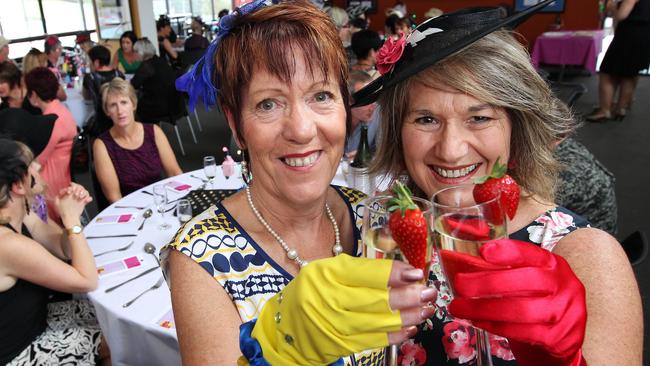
[
  {"x": 33, "y": 59},
  {"x": 131, "y": 154},
  {"x": 455, "y": 102}
]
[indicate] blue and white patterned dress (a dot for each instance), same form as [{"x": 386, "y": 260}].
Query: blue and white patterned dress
[{"x": 217, "y": 242}]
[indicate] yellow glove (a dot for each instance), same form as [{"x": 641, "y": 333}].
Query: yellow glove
[{"x": 334, "y": 307}]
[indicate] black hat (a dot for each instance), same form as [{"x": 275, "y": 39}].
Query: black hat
[
  {"x": 437, "y": 38},
  {"x": 32, "y": 130}
]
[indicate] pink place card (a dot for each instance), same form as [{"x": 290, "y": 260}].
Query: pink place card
[
  {"x": 115, "y": 219},
  {"x": 118, "y": 266},
  {"x": 177, "y": 186}
]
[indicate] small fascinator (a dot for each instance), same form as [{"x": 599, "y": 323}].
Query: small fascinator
[
  {"x": 436, "y": 39},
  {"x": 197, "y": 82}
]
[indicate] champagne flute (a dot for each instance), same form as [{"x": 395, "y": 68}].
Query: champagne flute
[
  {"x": 461, "y": 226},
  {"x": 210, "y": 168},
  {"x": 184, "y": 211},
  {"x": 378, "y": 242},
  {"x": 160, "y": 200}
]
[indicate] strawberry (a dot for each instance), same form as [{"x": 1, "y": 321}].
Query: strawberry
[
  {"x": 488, "y": 187},
  {"x": 408, "y": 227}
]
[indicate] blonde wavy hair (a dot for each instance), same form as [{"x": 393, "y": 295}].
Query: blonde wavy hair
[{"x": 495, "y": 70}]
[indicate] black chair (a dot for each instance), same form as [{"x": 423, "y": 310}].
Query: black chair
[
  {"x": 100, "y": 199},
  {"x": 177, "y": 111},
  {"x": 636, "y": 247}
]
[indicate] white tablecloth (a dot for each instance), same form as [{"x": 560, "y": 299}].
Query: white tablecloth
[{"x": 134, "y": 336}]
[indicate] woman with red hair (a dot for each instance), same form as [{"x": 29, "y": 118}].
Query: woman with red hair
[{"x": 42, "y": 88}]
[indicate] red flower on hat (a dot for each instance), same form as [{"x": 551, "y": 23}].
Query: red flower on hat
[{"x": 389, "y": 54}]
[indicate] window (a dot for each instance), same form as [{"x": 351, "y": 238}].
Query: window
[{"x": 63, "y": 16}]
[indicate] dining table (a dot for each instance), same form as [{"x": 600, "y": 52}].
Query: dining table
[
  {"x": 568, "y": 48},
  {"x": 143, "y": 332}
]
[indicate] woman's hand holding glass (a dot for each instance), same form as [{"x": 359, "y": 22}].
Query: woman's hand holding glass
[
  {"x": 379, "y": 305},
  {"x": 528, "y": 295}
]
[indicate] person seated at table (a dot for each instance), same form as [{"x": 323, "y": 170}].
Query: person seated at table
[
  {"x": 365, "y": 45},
  {"x": 101, "y": 73},
  {"x": 166, "y": 47},
  {"x": 158, "y": 99},
  {"x": 453, "y": 105},
  {"x": 4, "y": 50},
  {"x": 33, "y": 259},
  {"x": 55, "y": 159},
  {"x": 126, "y": 58},
  {"x": 365, "y": 115},
  {"x": 131, "y": 154},
  {"x": 12, "y": 88},
  {"x": 53, "y": 50},
  {"x": 33, "y": 59},
  {"x": 287, "y": 111},
  {"x": 196, "y": 41}
]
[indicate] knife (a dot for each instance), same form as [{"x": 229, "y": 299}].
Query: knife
[
  {"x": 110, "y": 236},
  {"x": 131, "y": 279}
]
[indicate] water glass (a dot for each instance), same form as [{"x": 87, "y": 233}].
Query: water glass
[
  {"x": 183, "y": 211},
  {"x": 210, "y": 167},
  {"x": 160, "y": 200}
]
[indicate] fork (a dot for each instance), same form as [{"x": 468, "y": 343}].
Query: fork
[
  {"x": 115, "y": 250},
  {"x": 154, "y": 287}
]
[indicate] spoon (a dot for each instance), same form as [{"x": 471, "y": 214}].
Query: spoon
[
  {"x": 147, "y": 214},
  {"x": 151, "y": 249}
]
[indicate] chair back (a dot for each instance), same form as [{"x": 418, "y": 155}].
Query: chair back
[
  {"x": 636, "y": 247},
  {"x": 100, "y": 199}
]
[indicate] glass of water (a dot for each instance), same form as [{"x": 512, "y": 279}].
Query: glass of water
[
  {"x": 160, "y": 200},
  {"x": 184, "y": 211},
  {"x": 210, "y": 168}
]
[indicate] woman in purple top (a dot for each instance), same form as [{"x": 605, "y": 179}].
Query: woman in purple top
[{"x": 131, "y": 154}]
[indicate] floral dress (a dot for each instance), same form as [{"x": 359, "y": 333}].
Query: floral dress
[{"x": 443, "y": 341}]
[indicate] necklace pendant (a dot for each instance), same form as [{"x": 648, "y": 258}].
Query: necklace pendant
[
  {"x": 292, "y": 254},
  {"x": 337, "y": 249}
]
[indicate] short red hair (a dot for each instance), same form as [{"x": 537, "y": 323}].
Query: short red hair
[{"x": 43, "y": 82}]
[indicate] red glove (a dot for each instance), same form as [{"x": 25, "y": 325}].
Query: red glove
[{"x": 528, "y": 295}]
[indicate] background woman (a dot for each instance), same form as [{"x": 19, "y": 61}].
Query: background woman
[
  {"x": 12, "y": 88},
  {"x": 126, "y": 58},
  {"x": 32, "y": 263},
  {"x": 626, "y": 56},
  {"x": 450, "y": 123},
  {"x": 285, "y": 102},
  {"x": 131, "y": 154},
  {"x": 158, "y": 100},
  {"x": 53, "y": 50},
  {"x": 33, "y": 59},
  {"x": 55, "y": 159}
]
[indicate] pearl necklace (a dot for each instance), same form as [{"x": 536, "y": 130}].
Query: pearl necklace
[{"x": 292, "y": 253}]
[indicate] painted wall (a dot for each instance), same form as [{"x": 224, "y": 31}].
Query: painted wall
[{"x": 578, "y": 14}]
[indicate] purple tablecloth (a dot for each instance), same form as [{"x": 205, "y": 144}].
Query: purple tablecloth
[{"x": 568, "y": 48}]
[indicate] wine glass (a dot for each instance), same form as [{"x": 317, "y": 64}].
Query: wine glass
[
  {"x": 461, "y": 226},
  {"x": 160, "y": 200},
  {"x": 378, "y": 243},
  {"x": 184, "y": 211},
  {"x": 210, "y": 168}
]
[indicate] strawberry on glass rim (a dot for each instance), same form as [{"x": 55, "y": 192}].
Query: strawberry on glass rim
[
  {"x": 408, "y": 227},
  {"x": 498, "y": 184}
]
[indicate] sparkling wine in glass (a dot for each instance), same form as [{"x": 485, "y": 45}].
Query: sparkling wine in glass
[
  {"x": 378, "y": 242},
  {"x": 461, "y": 226},
  {"x": 183, "y": 211},
  {"x": 210, "y": 168},
  {"x": 160, "y": 201}
]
